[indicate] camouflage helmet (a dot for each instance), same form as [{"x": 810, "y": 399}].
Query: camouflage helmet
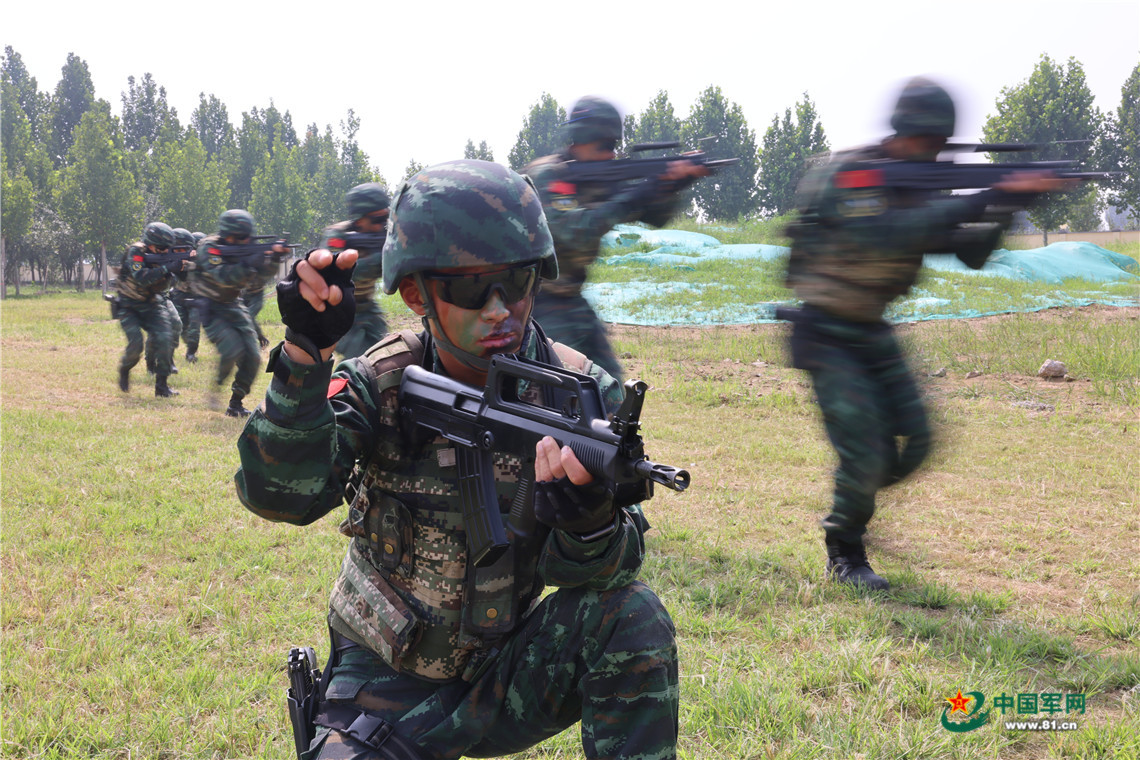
[
  {"x": 465, "y": 213},
  {"x": 592, "y": 119},
  {"x": 237, "y": 222},
  {"x": 924, "y": 108},
  {"x": 366, "y": 198},
  {"x": 183, "y": 238},
  {"x": 158, "y": 234},
  {"x": 198, "y": 236}
]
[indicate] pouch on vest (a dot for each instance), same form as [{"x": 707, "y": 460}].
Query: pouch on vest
[
  {"x": 384, "y": 525},
  {"x": 371, "y": 610}
]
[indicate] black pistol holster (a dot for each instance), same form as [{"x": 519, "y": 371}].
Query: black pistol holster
[
  {"x": 303, "y": 695},
  {"x": 308, "y": 708},
  {"x": 113, "y": 300}
]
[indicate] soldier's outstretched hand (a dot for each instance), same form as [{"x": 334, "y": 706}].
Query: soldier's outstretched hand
[
  {"x": 317, "y": 300},
  {"x": 318, "y": 284}
]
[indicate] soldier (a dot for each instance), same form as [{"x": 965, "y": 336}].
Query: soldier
[
  {"x": 218, "y": 284},
  {"x": 168, "y": 304},
  {"x": 179, "y": 302},
  {"x": 141, "y": 306},
  {"x": 579, "y": 216},
  {"x": 856, "y": 246},
  {"x": 368, "y": 208},
  {"x": 431, "y": 655}
]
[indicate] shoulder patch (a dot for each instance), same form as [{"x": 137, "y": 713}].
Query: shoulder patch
[
  {"x": 337, "y": 385},
  {"x": 561, "y": 187},
  {"x": 857, "y": 178},
  {"x": 859, "y": 203}
]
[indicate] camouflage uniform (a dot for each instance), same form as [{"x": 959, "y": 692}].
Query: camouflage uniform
[
  {"x": 856, "y": 246},
  {"x": 176, "y": 326},
  {"x": 185, "y": 304},
  {"x": 459, "y": 659},
  {"x": 369, "y": 325},
  {"x": 229, "y": 326},
  {"x": 578, "y": 217},
  {"x": 143, "y": 306},
  {"x": 254, "y": 299}
]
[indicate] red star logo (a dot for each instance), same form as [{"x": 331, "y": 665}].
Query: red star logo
[{"x": 959, "y": 703}]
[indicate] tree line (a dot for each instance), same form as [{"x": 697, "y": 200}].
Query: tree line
[{"x": 79, "y": 182}]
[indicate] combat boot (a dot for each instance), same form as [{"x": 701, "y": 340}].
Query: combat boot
[
  {"x": 235, "y": 409},
  {"x": 191, "y": 358},
  {"x": 161, "y": 389},
  {"x": 124, "y": 379},
  {"x": 847, "y": 563}
]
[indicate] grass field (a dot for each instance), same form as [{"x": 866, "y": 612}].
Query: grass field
[{"x": 146, "y": 614}]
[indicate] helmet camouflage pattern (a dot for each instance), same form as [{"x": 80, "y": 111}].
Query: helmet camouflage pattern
[
  {"x": 924, "y": 108},
  {"x": 198, "y": 236},
  {"x": 237, "y": 222},
  {"x": 465, "y": 213},
  {"x": 183, "y": 238},
  {"x": 592, "y": 119},
  {"x": 366, "y": 198},
  {"x": 158, "y": 234}
]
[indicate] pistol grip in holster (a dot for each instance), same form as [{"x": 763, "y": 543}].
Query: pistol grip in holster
[{"x": 303, "y": 695}]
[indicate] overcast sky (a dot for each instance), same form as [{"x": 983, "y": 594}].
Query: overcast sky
[{"x": 424, "y": 77}]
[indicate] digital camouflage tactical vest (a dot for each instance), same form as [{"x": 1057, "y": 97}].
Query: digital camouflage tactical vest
[
  {"x": 406, "y": 590},
  {"x": 127, "y": 284},
  {"x": 573, "y": 260},
  {"x": 840, "y": 260},
  {"x": 216, "y": 280}
]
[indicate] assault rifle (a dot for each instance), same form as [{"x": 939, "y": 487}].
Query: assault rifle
[
  {"x": 951, "y": 175},
  {"x": 628, "y": 169},
  {"x": 254, "y": 253},
  {"x": 481, "y": 421},
  {"x": 172, "y": 260},
  {"x": 365, "y": 242}
]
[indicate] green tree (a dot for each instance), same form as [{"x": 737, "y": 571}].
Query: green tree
[
  {"x": 25, "y": 92},
  {"x": 280, "y": 201},
  {"x": 252, "y": 154},
  {"x": 482, "y": 153},
  {"x": 192, "y": 190},
  {"x": 147, "y": 116},
  {"x": 332, "y": 166},
  {"x": 211, "y": 122},
  {"x": 97, "y": 194},
  {"x": 352, "y": 158},
  {"x": 1053, "y": 108},
  {"x": 1123, "y": 149},
  {"x": 74, "y": 97},
  {"x": 17, "y": 209},
  {"x": 657, "y": 123},
  {"x": 787, "y": 145},
  {"x": 717, "y": 126},
  {"x": 414, "y": 167},
  {"x": 541, "y": 133}
]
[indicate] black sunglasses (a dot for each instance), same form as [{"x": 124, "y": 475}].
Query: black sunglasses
[
  {"x": 471, "y": 291},
  {"x": 607, "y": 145},
  {"x": 378, "y": 218}
]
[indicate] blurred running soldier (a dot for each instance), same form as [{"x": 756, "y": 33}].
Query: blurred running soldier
[{"x": 858, "y": 244}]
